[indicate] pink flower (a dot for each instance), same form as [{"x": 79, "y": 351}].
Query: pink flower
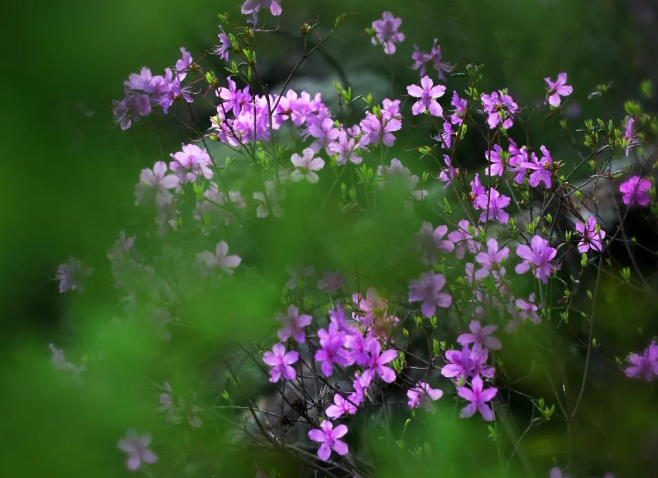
[
  {"x": 491, "y": 259},
  {"x": 493, "y": 204},
  {"x": 329, "y": 437},
  {"x": 219, "y": 260},
  {"x": 538, "y": 257},
  {"x": 252, "y": 6},
  {"x": 342, "y": 406},
  {"x": 293, "y": 325},
  {"x": 500, "y": 108},
  {"x": 497, "y": 166},
  {"x": 433, "y": 58},
  {"x": 331, "y": 349},
  {"x": 556, "y": 89},
  {"x": 377, "y": 361},
  {"x": 423, "y": 395},
  {"x": 636, "y": 191},
  {"x": 280, "y": 362},
  {"x": 431, "y": 240},
  {"x": 154, "y": 185},
  {"x": 305, "y": 166},
  {"x": 428, "y": 290},
  {"x": 191, "y": 163},
  {"x": 463, "y": 239},
  {"x": 379, "y": 128},
  {"x": 387, "y": 32},
  {"x": 592, "y": 236},
  {"x": 478, "y": 398},
  {"x": 447, "y": 175},
  {"x": 541, "y": 168},
  {"x": 136, "y": 447},
  {"x": 330, "y": 281},
  {"x": 427, "y": 94},
  {"x": 457, "y": 117},
  {"x": 480, "y": 336}
]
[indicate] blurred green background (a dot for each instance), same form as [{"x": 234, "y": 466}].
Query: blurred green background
[{"x": 69, "y": 174}]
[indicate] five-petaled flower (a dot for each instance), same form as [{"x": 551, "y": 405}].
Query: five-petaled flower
[
  {"x": 330, "y": 439},
  {"x": 643, "y": 366},
  {"x": 208, "y": 261},
  {"x": 556, "y": 89},
  {"x": 306, "y": 165},
  {"x": 480, "y": 336},
  {"x": 137, "y": 449},
  {"x": 592, "y": 235},
  {"x": 636, "y": 191},
  {"x": 387, "y": 32},
  {"x": 500, "y": 108},
  {"x": 293, "y": 324},
  {"x": 537, "y": 256},
  {"x": 331, "y": 349},
  {"x": 280, "y": 362},
  {"x": 427, "y": 288},
  {"x": 252, "y": 6},
  {"x": 478, "y": 398},
  {"x": 427, "y": 94}
]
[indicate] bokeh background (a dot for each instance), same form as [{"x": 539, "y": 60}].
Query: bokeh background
[{"x": 68, "y": 173}]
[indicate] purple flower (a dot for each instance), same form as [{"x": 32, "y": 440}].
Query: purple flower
[
  {"x": 153, "y": 185},
  {"x": 500, "y": 108},
  {"x": 136, "y": 447},
  {"x": 331, "y": 281},
  {"x": 305, "y": 166},
  {"x": 447, "y": 175},
  {"x": 280, "y": 362},
  {"x": 427, "y": 94},
  {"x": 556, "y": 473},
  {"x": 331, "y": 349},
  {"x": 387, "y": 32},
  {"x": 636, "y": 191},
  {"x": 219, "y": 260},
  {"x": 478, "y": 398},
  {"x": 345, "y": 147},
  {"x": 538, "y": 257},
  {"x": 141, "y": 81},
  {"x": 480, "y": 337},
  {"x": 222, "y": 49},
  {"x": 431, "y": 240},
  {"x": 184, "y": 64},
  {"x": 325, "y": 131},
  {"x": 445, "y": 136},
  {"x": 528, "y": 309},
  {"x": 490, "y": 259},
  {"x": 379, "y": 129},
  {"x": 129, "y": 109},
  {"x": 592, "y": 235},
  {"x": 541, "y": 168},
  {"x": 342, "y": 406},
  {"x": 329, "y": 437},
  {"x": 191, "y": 163},
  {"x": 233, "y": 97},
  {"x": 423, "y": 395},
  {"x": 463, "y": 239},
  {"x": 467, "y": 363},
  {"x": 493, "y": 205},
  {"x": 293, "y": 325},
  {"x": 629, "y": 136},
  {"x": 70, "y": 275},
  {"x": 433, "y": 58},
  {"x": 460, "y": 104},
  {"x": 377, "y": 361},
  {"x": 428, "y": 290},
  {"x": 556, "y": 89},
  {"x": 252, "y": 6},
  {"x": 497, "y": 166},
  {"x": 643, "y": 366}
]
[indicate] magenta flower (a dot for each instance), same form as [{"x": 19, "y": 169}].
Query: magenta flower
[
  {"x": 528, "y": 309},
  {"x": 467, "y": 363},
  {"x": 427, "y": 289},
  {"x": 541, "y": 168},
  {"x": 70, "y": 275},
  {"x": 191, "y": 163},
  {"x": 500, "y": 109},
  {"x": 497, "y": 166},
  {"x": 643, "y": 366},
  {"x": 423, "y": 395},
  {"x": 592, "y": 235},
  {"x": 325, "y": 132},
  {"x": 377, "y": 362},
  {"x": 329, "y": 437},
  {"x": 293, "y": 325},
  {"x": 379, "y": 129},
  {"x": 493, "y": 205},
  {"x": 480, "y": 337},
  {"x": 447, "y": 175},
  {"x": 491, "y": 259},
  {"x": 280, "y": 362},
  {"x": 427, "y": 94},
  {"x": 222, "y": 49},
  {"x": 331, "y": 349},
  {"x": 233, "y": 98},
  {"x": 556, "y": 89},
  {"x": 305, "y": 166},
  {"x": 137, "y": 449},
  {"x": 219, "y": 260},
  {"x": 331, "y": 281},
  {"x": 153, "y": 184},
  {"x": 458, "y": 114},
  {"x": 463, "y": 239},
  {"x": 346, "y": 148},
  {"x": 478, "y": 398},
  {"x": 387, "y": 32},
  {"x": 433, "y": 59},
  {"x": 252, "y": 6},
  {"x": 636, "y": 191},
  {"x": 629, "y": 136},
  {"x": 538, "y": 257},
  {"x": 342, "y": 406}
]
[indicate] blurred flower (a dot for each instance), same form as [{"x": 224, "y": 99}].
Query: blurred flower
[
  {"x": 423, "y": 395},
  {"x": 387, "y": 32},
  {"x": 70, "y": 275},
  {"x": 136, "y": 447},
  {"x": 636, "y": 191}
]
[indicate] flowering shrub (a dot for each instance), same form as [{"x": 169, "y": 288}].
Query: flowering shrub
[{"x": 419, "y": 276}]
